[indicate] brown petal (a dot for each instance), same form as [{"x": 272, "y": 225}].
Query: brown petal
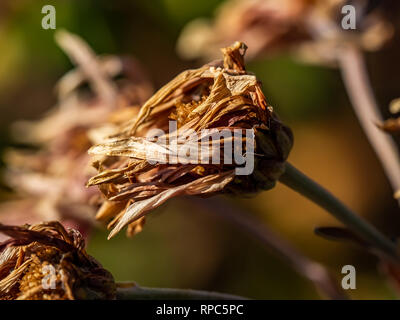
[{"x": 208, "y": 184}]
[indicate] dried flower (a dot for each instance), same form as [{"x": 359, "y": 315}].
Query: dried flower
[
  {"x": 311, "y": 29},
  {"x": 47, "y": 262},
  {"x": 49, "y": 182},
  {"x": 262, "y": 25},
  {"x": 138, "y": 174}
]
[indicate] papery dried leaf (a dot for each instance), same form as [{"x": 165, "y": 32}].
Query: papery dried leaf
[
  {"x": 133, "y": 147},
  {"x": 136, "y": 210},
  {"x": 26, "y": 235}
]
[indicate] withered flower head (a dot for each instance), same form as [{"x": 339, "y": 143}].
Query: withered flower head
[
  {"x": 221, "y": 101},
  {"x": 47, "y": 262}
]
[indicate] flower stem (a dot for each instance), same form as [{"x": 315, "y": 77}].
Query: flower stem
[
  {"x": 356, "y": 80},
  {"x": 299, "y": 182},
  {"x": 323, "y": 280},
  {"x": 136, "y": 292}
]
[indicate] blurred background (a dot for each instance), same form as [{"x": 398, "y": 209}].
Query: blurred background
[{"x": 183, "y": 246}]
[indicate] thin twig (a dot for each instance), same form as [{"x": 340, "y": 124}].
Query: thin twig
[
  {"x": 136, "y": 292},
  {"x": 299, "y": 182},
  {"x": 358, "y": 86},
  {"x": 322, "y": 279}
]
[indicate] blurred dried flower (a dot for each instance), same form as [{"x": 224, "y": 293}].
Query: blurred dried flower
[
  {"x": 50, "y": 181},
  {"x": 308, "y": 28},
  {"x": 260, "y": 24},
  {"x": 47, "y": 262},
  {"x": 138, "y": 174}
]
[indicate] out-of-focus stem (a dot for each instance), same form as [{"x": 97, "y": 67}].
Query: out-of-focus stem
[
  {"x": 299, "y": 182},
  {"x": 136, "y": 292},
  {"x": 322, "y": 279},
  {"x": 358, "y": 86}
]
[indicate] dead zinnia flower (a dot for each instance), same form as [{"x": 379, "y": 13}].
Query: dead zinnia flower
[
  {"x": 47, "y": 262},
  {"x": 220, "y": 101}
]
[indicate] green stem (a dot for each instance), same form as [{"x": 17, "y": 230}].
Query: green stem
[
  {"x": 299, "y": 182},
  {"x": 142, "y": 293},
  {"x": 315, "y": 272}
]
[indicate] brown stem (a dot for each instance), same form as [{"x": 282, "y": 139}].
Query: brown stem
[
  {"x": 321, "y": 278},
  {"x": 136, "y": 292},
  {"x": 299, "y": 182},
  {"x": 358, "y": 86}
]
